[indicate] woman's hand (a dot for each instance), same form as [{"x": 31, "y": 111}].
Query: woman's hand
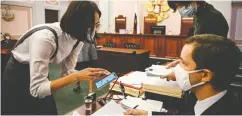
[
  {"x": 136, "y": 112},
  {"x": 91, "y": 73},
  {"x": 85, "y": 74}
]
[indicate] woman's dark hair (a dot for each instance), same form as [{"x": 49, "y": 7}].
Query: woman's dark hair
[
  {"x": 78, "y": 18},
  {"x": 173, "y": 3},
  {"x": 217, "y": 54}
]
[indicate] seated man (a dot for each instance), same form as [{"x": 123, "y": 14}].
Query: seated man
[{"x": 207, "y": 65}]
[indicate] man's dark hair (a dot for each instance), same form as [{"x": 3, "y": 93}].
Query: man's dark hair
[
  {"x": 78, "y": 18},
  {"x": 219, "y": 55},
  {"x": 173, "y": 3}
]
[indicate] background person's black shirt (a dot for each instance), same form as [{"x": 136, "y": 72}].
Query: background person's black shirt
[{"x": 208, "y": 20}]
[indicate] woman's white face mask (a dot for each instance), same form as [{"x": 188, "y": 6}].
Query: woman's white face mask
[
  {"x": 183, "y": 78},
  {"x": 90, "y": 35}
]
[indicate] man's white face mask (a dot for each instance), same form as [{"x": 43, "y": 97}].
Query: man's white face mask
[{"x": 183, "y": 78}]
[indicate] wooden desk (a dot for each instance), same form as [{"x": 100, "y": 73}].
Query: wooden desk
[
  {"x": 122, "y": 60},
  {"x": 82, "y": 111},
  {"x": 158, "y": 45}
]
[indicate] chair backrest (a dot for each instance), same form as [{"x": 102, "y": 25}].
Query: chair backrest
[
  {"x": 186, "y": 25},
  {"x": 149, "y": 20},
  {"x": 110, "y": 44},
  {"x": 236, "y": 85},
  {"x": 131, "y": 46},
  {"x": 120, "y": 23}
]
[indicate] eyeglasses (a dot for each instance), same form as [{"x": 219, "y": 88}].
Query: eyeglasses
[{"x": 97, "y": 26}]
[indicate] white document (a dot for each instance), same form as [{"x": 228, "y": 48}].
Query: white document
[
  {"x": 148, "y": 105},
  {"x": 130, "y": 102},
  {"x": 75, "y": 113},
  {"x": 138, "y": 78},
  {"x": 151, "y": 105},
  {"x": 110, "y": 109},
  {"x": 135, "y": 79},
  {"x": 157, "y": 70}
]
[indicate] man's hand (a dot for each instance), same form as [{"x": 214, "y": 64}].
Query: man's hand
[
  {"x": 136, "y": 112},
  {"x": 173, "y": 64},
  {"x": 169, "y": 77}
]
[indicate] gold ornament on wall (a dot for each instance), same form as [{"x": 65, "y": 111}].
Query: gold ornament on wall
[
  {"x": 7, "y": 15},
  {"x": 158, "y": 8}
]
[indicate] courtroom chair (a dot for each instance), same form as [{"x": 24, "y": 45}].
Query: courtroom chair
[
  {"x": 110, "y": 45},
  {"x": 131, "y": 46},
  {"x": 120, "y": 23},
  {"x": 149, "y": 21},
  {"x": 236, "y": 85},
  {"x": 186, "y": 26}
]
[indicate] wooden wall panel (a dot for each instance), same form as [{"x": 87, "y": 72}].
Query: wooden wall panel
[
  {"x": 150, "y": 44},
  {"x": 133, "y": 39},
  {"x": 159, "y": 45},
  {"x": 171, "y": 48},
  {"x": 118, "y": 40}
]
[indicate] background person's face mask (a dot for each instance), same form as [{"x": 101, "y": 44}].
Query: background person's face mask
[
  {"x": 182, "y": 78},
  {"x": 188, "y": 11}
]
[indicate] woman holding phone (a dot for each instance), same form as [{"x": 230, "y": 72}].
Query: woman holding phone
[{"x": 28, "y": 89}]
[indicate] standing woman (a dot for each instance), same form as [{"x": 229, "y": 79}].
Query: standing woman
[
  {"x": 86, "y": 58},
  {"x": 27, "y": 88}
]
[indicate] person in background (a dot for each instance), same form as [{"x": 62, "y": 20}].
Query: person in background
[
  {"x": 207, "y": 19},
  {"x": 208, "y": 64},
  {"x": 27, "y": 89},
  {"x": 86, "y": 58}
]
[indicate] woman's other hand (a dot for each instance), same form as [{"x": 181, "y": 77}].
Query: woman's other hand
[{"x": 92, "y": 73}]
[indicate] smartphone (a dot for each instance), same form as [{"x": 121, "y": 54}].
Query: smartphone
[{"x": 105, "y": 81}]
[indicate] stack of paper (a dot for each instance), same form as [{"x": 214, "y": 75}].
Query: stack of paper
[{"x": 137, "y": 82}]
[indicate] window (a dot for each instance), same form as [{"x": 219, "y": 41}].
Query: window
[{"x": 236, "y": 22}]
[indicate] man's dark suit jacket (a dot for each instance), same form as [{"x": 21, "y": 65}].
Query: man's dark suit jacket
[{"x": 227, "y": 105}]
